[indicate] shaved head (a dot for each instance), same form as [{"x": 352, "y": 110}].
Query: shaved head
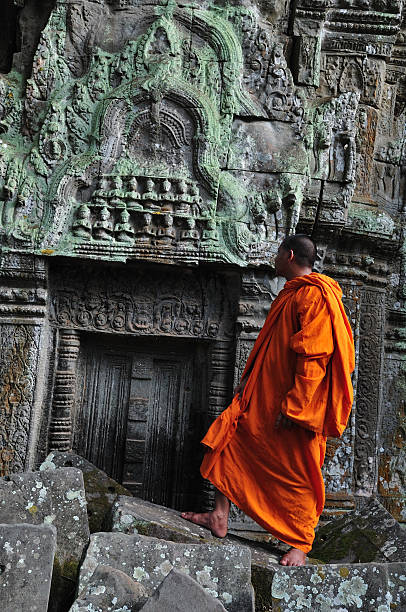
[{"x": 303, "y": 247}]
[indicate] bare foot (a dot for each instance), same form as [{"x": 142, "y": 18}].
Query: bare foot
[
  {"x": 216, "y": 522},
  {"x": 294, "y": 557}
]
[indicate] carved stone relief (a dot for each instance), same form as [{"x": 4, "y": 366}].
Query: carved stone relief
[
  {"x": 368, "y": 392},
  {"x": 200, "y": 134},
  {"x": 22, "y": 309},
  {"x": 144, "y": 302}
]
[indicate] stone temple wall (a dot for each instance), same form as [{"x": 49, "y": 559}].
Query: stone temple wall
[{"x": 153, "y": 154}]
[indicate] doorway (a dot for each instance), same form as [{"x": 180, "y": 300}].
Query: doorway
[{"x": 140, "y": 413}]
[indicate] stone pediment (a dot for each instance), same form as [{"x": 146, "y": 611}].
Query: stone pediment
[{"x": 130, "y": 113}]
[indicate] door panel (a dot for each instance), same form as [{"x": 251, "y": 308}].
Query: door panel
[{"x": 101, "y": 425}]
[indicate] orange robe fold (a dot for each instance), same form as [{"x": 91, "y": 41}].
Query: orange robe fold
[{"x": 300, "y": 365}]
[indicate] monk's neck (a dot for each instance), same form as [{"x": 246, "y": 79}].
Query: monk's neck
[{"x": 291, "y": 274}]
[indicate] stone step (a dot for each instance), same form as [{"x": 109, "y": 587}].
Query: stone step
[{"x": 224, "y": 571}]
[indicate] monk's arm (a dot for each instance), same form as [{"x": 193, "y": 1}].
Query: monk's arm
[{"x": 305, "y": 403}]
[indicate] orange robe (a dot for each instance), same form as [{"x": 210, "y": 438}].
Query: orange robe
[{"x": 300, "y": 365}]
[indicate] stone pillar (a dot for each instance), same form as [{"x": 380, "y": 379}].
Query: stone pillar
[
  {"x": 338, "y": 469},
  {"x": 369, "y": 395},
  {"x": 23, "y": 341},
  {"x": 60, "y": 431},
  {"x": 220, "y": 395}
]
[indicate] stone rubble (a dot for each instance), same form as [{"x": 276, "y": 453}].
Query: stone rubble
[
  {"x": 110, "y": 589},
  {"x": 26, "y": 560},
  {"x": 366, "y": 587},
  {"x": 367, "y": 535},
  {"x": 177, "y": 593},
  {"x": 152, "y": 560},
  {"x": 223, "y": 570},
  {"x": 101, "y": 490},
  {"x": 134, "y": 515},
  {"x": 51, "y": 498}
]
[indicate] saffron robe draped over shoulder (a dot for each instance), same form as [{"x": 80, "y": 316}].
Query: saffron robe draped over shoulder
[{"x": 300, "y": 365}]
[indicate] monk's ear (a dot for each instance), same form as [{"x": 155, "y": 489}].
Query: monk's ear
[{"x": 291, "y": 255}]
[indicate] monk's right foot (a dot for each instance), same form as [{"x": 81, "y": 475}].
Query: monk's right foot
[{"x": 216, "y": 522}]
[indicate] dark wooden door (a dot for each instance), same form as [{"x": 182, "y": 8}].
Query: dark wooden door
[{"x": 139, "y": 414}]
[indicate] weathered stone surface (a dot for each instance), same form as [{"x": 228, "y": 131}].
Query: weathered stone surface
[
  {"x": 53, "y": 498},
  {"x": 100, "y": 489},
  {"x": 110, "y": 589},
  {"x": 135, "y": 515},
  {"x": 349, "y": 588},
  {"x": 259, "y": 146},
  {"x": 369, "y": 534},
  {"x": 223, "y": 571},
  {"x": 178, "y": 592},
  {"x": 26, "y": 559}
]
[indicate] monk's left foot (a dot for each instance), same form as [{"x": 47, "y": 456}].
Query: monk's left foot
[{"x": 294, "y": 557}]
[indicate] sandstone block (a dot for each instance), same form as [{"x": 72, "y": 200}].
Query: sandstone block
[
  {"x": 51, "y": 498},
  {"x": 178, "y": 592},
  {"x": 110, "y": 589},
  {"x": 135, "y": 515},
  {"x": 26, "y": 560},
  {"x": 101, "y": 490},
  {"x": 368, "y": 587},
  {"x": 223, "y": 571},
  {"x": 369, "y": 534}
]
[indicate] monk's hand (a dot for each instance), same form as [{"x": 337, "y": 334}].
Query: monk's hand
[{"x": 282, "y": 421}]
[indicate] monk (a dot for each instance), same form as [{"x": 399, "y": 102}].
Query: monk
[{"x": 266, "y": 450}]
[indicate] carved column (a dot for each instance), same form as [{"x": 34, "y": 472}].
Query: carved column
[
  {"x": 369, "y": 390},
  {"x": 23, "y": 337},
  {"x": 220, "y": 395},
  {"x": 338, "y": 469},
  {"x": 60, "y": 431},
  {"x": 351, "y": 462}
]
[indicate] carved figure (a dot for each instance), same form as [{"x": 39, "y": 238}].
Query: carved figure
[
  {"x": 150, "y": 194},
  {"x": 133, "y": 195},
  {"x": 82, "y": 227},
  {"x": 167, "y": 193},
  {"x": 147, "y": 232},
  {"x": 210, "y": 233},
  {"x": 167, "y": 233},
  {"x": 124, "y": 232},
  {"x": 191, "y": 234},
  {"x": 103, "y": 227}
]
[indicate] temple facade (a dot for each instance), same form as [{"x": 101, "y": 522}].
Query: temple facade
[{"x": 153, "y": 155}]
